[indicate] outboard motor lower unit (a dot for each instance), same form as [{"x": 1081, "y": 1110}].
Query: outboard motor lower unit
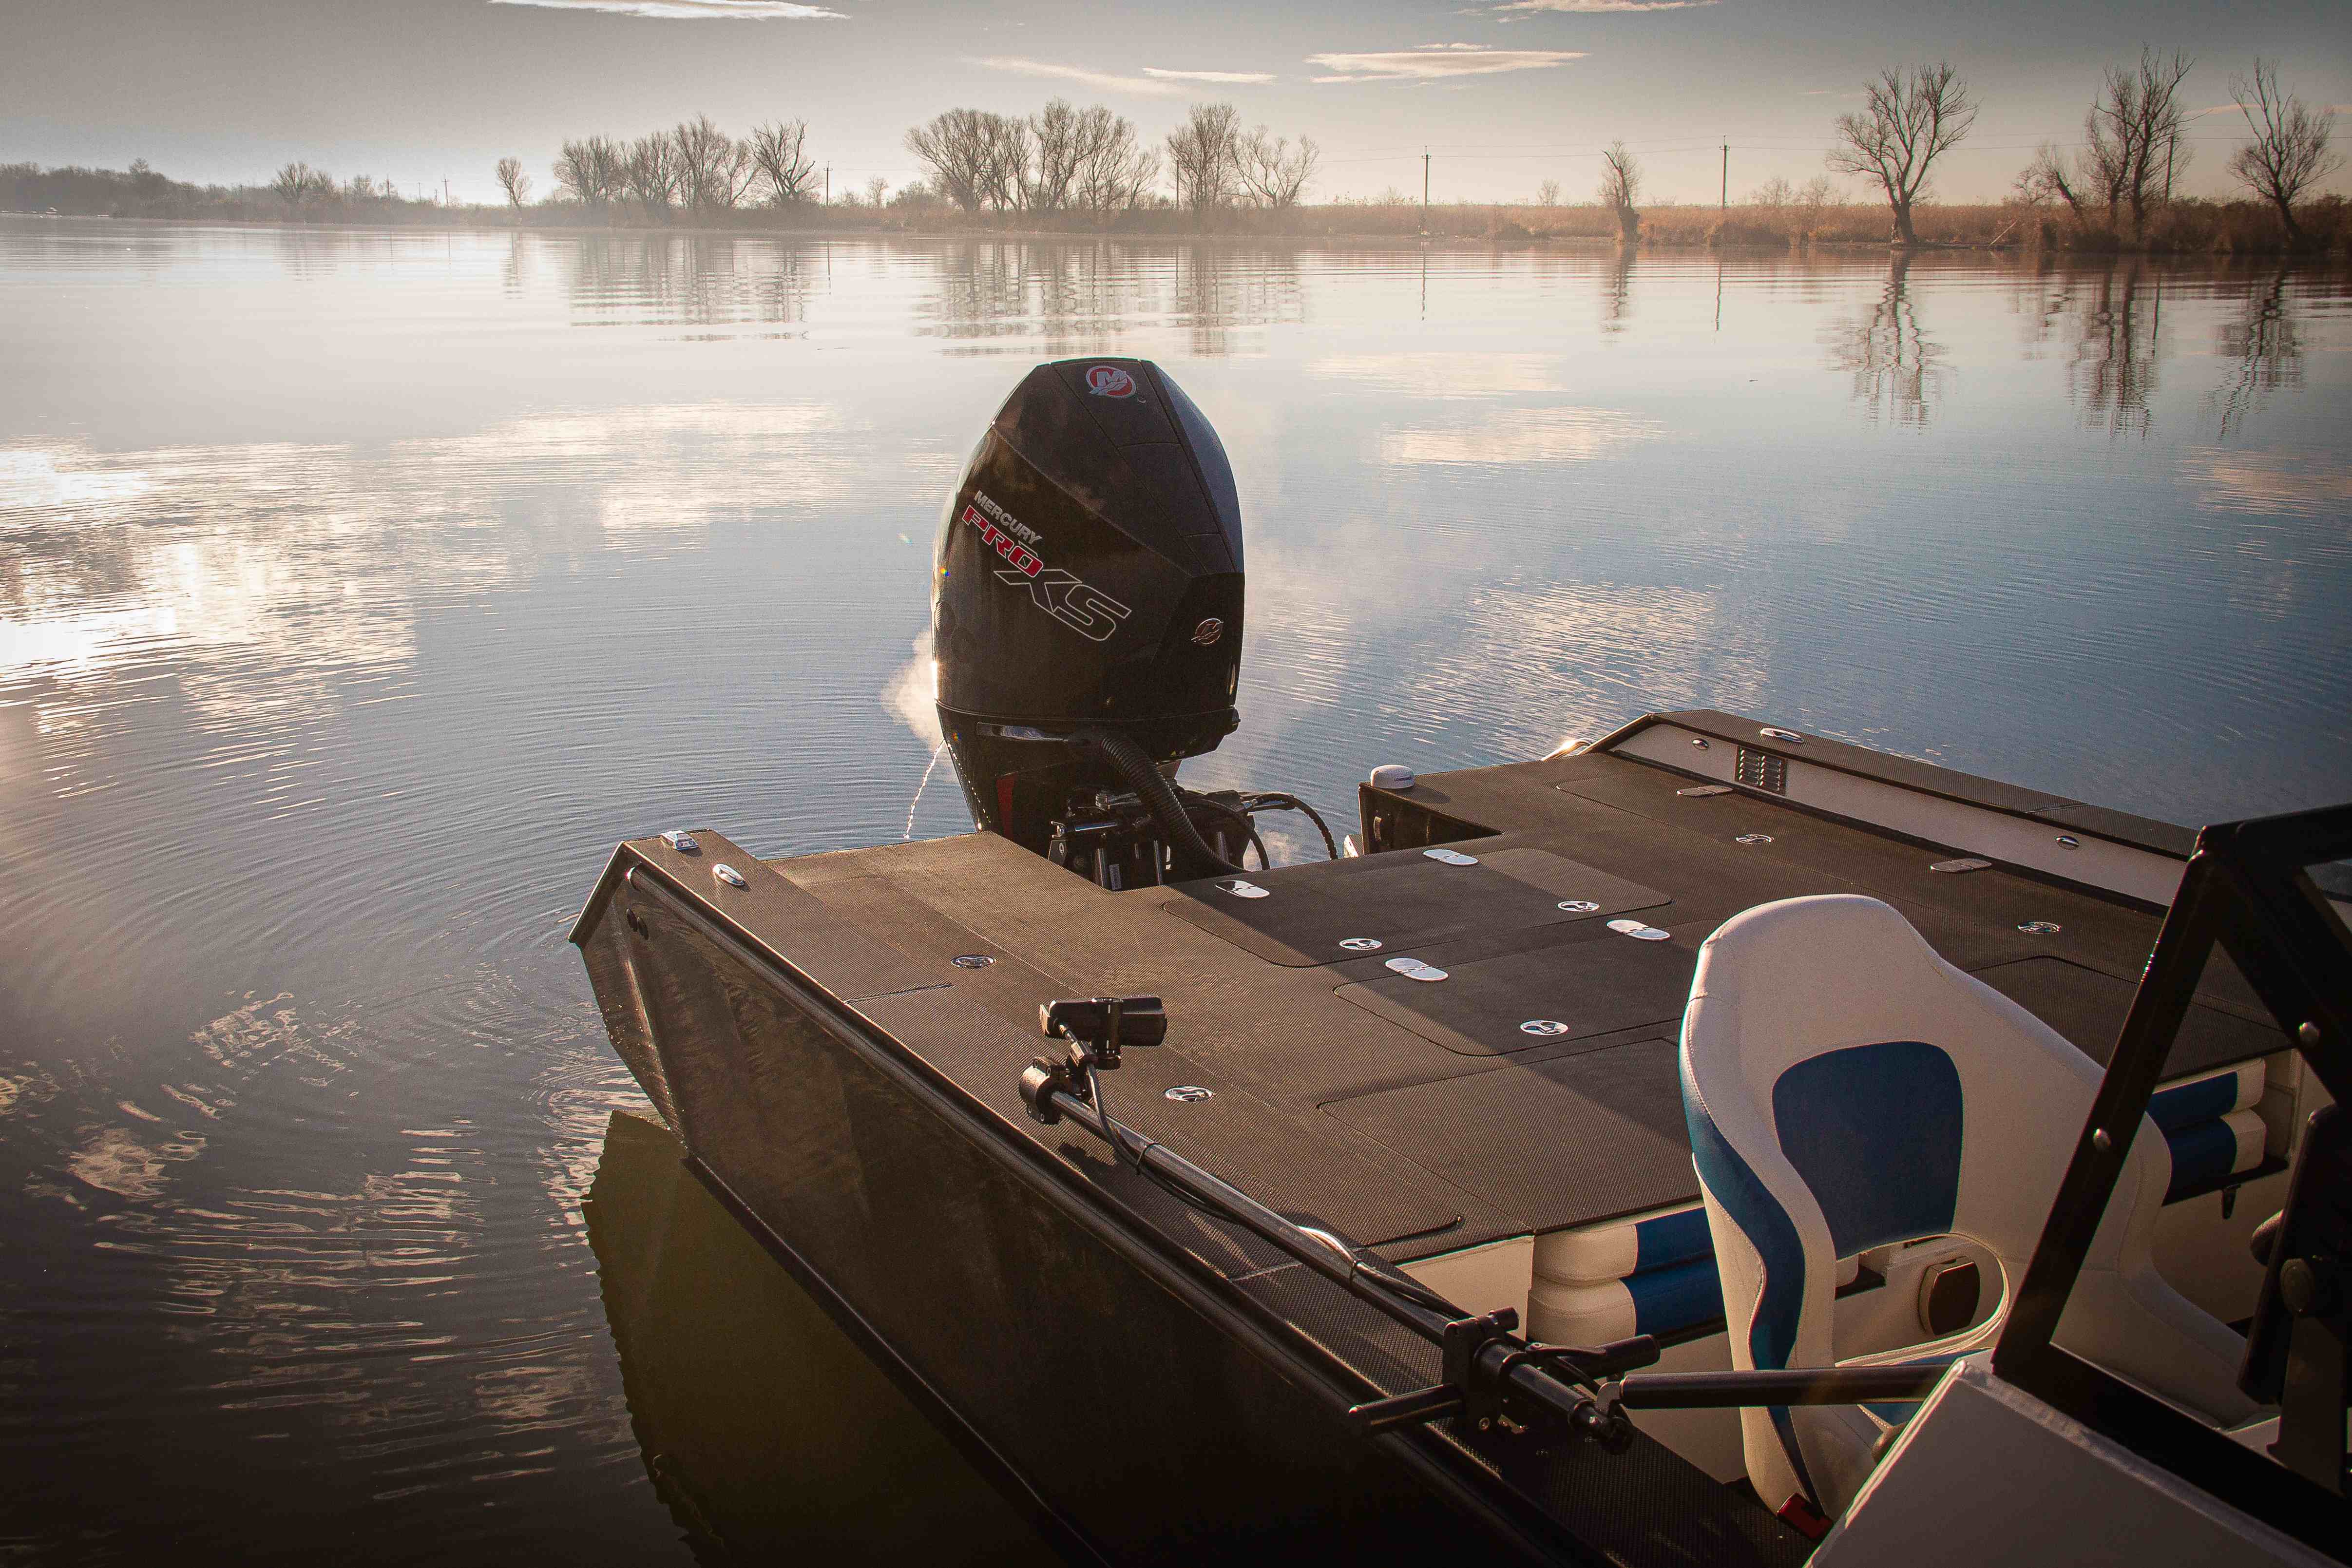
[{"x": 1087, "y": 623}]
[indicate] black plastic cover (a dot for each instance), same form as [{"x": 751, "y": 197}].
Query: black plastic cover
[{"x": 1089, "y": 563}]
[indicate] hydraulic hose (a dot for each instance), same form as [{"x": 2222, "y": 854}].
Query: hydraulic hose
[
  {"x": 1158, "y": 797},
  {"x": 1278, "y": 800}
]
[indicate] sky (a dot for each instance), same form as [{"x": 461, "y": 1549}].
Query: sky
[{"x": 1502, "y": 94}]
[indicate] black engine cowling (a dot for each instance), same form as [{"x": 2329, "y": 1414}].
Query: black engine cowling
[{"x": 1089, "y": 582}]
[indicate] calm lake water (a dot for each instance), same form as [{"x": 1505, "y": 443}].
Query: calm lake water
[{"x": 358, "y": 591}]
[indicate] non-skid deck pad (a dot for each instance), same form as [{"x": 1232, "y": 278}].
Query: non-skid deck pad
[
  {"x": 1287, "y": 1157},
  {"x": 2088, "y": 1008},
  {"x": 1398, "y": 900},
  {"x": 1553, "y": 1144},
  {"x": 1592, "y": 983}
]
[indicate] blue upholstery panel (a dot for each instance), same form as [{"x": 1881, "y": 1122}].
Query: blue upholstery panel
[
  {"x": 1874, "y": 1131},
  {"x": 2201, "y": 1152},
  {"x": 2205, "y": 1101},
  {"x": 1766, "y": 1225},
  {"x": 1666, "y": 1299},
  {"x": 1671, "y": 1238}
]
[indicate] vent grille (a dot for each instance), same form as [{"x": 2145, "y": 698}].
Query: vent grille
[{"x": 1762, "y": 770}]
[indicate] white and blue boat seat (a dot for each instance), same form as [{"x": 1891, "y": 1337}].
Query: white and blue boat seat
[
  {"x": 1654, "y": 1273},
  {"x": 1649, "y": 1273},
  {"x": 1846, "y": 1088},
  {"x": 2210, "y": 1127}
]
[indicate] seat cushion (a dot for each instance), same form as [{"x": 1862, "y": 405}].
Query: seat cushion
[{"x": 1617, "y": 1247}]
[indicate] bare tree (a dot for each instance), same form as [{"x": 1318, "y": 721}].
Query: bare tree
[
  {"x": 1548, "y": 193},
  {"x": 652, "y": 176},
  {"x": 1006, "y": 145},
  {"x": 780, "y": 161},
  {"x": 297, "y": 182},
  {"x": 1057, "y": 130},
  {"x": 712, "y": 169},
  {"x": 1203, "y": 158},
  {"x": 2134, "y": 129},
  {"x": 1813, "y": 200},
  {"x": 1114, "y": 169},
  {"x": 514, "y": 182},
  {"x": 1620, "y": 188},
  {"x": 1272, "y": 171},
  {"x": 2045, "y": 181},
  {"x": 954, "y": 147},
  {"x": 1774, "y": 194},
  {"x": 877, "y": 187},
  {"x": 593, "y": 171},
  {"x": 2134, "y": 145},
  {"x": 2289, "y": 151},
  {"x": 1908, "y": 121}
]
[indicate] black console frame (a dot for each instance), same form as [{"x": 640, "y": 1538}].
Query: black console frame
[{"x": 2248, "y": 887}]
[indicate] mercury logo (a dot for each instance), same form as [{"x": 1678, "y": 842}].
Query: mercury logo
[
  {"x": 1109, "y": 381},
  {"x": 1208, "y": 631}
]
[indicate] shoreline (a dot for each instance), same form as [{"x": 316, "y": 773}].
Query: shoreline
[{"x": 1538, "y": 240}]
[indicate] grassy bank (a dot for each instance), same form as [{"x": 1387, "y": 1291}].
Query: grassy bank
[
  {"x": 2182, "y": 227},
  {"x": 2190, "y": 227}
]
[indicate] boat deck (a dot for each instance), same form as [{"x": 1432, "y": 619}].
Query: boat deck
[
  {"x": 1422, "y": 1117},
  {"x": 839, "y": 1041}
]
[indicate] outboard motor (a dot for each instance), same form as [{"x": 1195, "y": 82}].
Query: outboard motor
[{"x": 1086, "y": 623}]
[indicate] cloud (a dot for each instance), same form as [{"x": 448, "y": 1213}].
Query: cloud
[
  {"x": 1438, "y": 61},
  {"x": 1107, "y": 81},
  {"x": 1601, "y": 6},
  {"x": 1521, "y": 436},
  {"x": 1442, "y": 376},
  {"x": 1210, "y": 76},
  {"x": 694, "y": 10},
  {"x": 2279, "y": 484}
]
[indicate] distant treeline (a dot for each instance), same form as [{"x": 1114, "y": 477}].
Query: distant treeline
[
  {"x": 1062, "y": 166},
  {"x": 139, "y": 192},
  {"x": 1066, "y": 168}
]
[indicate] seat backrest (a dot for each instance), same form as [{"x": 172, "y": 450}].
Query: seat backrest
[
  {"x": 1847, "y": 1088},
  {"x": 1873, "y": 1092}
]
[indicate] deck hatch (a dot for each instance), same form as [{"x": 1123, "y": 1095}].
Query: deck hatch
[
  {"x": 1592, "y": 986},
  {"x": 1326, "y": 911}
]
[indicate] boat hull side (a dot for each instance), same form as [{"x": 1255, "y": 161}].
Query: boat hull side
[{"x": 1144, "y": 1406}]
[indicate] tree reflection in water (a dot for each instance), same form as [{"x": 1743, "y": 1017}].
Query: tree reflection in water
[
  {"x": 1069, "y": 299},
  {"x": 2112, "y": 373},
  {"x": 1617, "y": 292},
  {"x": 1898, "y": 371},
  {"x": 2265, "y": 348},
  {"x": 700, "y": 280}
]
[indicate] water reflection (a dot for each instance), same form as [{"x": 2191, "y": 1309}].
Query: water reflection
[
  {"x": 766, "y": 1432},
  {"x": 327, "y": 678},
  {"x": 2112, "y": 374},
  {"x": 1063, "y": 299},
  {"x": 2265, "y": 347},
  {"x": 1617, "y": 291},
  {"x": 700, "y": 281},
  {"x": 1897, "y": 372}
]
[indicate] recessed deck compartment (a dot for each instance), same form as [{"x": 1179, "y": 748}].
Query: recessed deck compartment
[{"x": 1306, "y": 913}]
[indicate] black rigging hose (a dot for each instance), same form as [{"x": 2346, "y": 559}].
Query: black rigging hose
[
  {"x": 1237, "y": 816},
  {"x": 1158, "y": 797},
  {"x": 1277, "y": 800}
]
